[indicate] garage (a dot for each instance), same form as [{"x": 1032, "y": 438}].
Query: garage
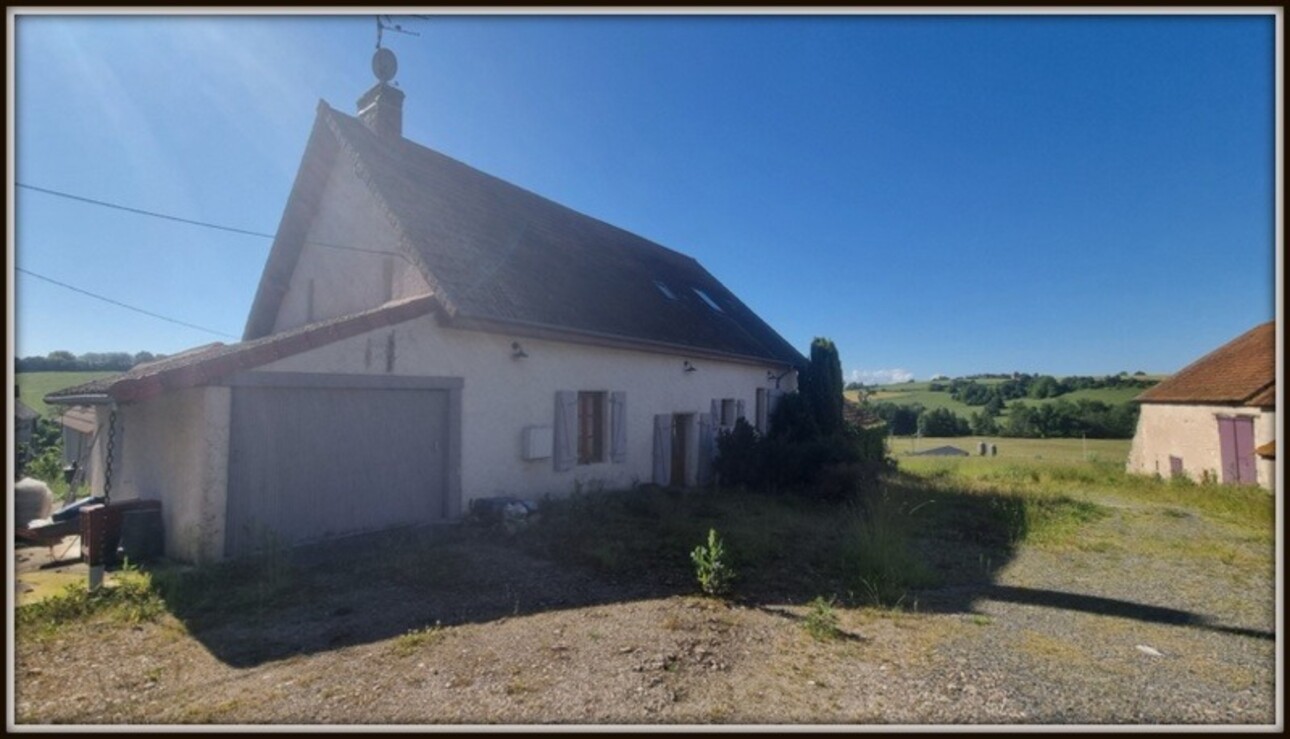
[{"x": 317, "y": 456}]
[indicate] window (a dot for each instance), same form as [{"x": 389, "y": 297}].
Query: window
[
  {"x": 728, "y": 412},
  {"x": 591, "y": 427},
  {"x": 707, "y": 299},
  {"x": 663, "y": 288}
]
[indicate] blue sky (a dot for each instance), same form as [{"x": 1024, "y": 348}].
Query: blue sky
[{"x": 937, "y": 194}]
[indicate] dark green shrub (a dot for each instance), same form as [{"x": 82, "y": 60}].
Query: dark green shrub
[{"x": 739, "y": 452}]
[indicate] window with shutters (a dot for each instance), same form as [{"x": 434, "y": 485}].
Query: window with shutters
[
  {"x": 727, "y": 411},
  {"x": 591, "y": 427}
]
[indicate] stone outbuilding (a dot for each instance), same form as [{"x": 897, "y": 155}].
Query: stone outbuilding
[{"x": 1215, "y": 420}]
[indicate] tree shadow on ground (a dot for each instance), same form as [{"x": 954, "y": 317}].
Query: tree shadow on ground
[{"x": 942, "y": 547}]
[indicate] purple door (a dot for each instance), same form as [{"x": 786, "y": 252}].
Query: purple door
[
  {"x": 1245, "y": 473},
  {"x": 1236, "y": 443}
]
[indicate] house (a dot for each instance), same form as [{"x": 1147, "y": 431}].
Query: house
[
  {"x": 425, "y": 335},
  {"x": 24, "y": 421},
  {"x": 1216, "y": 418}
]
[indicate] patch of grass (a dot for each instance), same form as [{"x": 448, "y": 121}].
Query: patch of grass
[
  {"x": 821, "y": 620},
  {"x": 130, "y": 599},
  {"x": 416, "y": 639}
]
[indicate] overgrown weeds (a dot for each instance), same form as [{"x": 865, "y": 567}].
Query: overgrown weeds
[
  {"x": 130, "y": 598},
  {"x": 821, "y": 620}
]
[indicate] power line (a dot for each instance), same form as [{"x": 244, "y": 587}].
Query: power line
[
  {"x": 142, "y": 212},
  {"x": 203, "y": 224},
  {"x": 96, "y": 296}
]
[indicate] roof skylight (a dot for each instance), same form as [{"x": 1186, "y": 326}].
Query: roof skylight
[
  {"x": 707, "y": 299},
  {"x": 663, "y": 288}
]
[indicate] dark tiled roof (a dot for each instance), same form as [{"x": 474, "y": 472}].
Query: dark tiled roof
[
  {"x": 24, "y": 412},
  {"x": 213, "y": 362},
  {"x": 1242, "y": 371},
  {"x": 495, "y": 253}
]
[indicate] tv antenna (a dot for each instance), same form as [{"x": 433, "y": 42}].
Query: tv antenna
[{"x": 385, "y": 23}]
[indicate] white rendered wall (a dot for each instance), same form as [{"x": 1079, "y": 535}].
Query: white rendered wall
[
  {"x": 1191, "y": 432},
  {"x": 174, "y": 448},
  {"x": 502, "y": 395},
  {"x": 344, "y": 281}
]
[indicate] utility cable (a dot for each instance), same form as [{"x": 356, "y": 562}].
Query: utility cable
[
  {"x": 118, "y": 303},
  {"x": 203, "y": 224}
]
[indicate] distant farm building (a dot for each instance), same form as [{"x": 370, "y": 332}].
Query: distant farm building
[
  {"x": 942, "y": 451},
  {"x": 24, "y": 422},
  {"x": 1216, "y": 418}
]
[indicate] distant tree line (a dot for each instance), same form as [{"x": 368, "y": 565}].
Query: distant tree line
[
  {"x": 1038, "y": 387},
  {"x": 1058, "y": 419},
  {"x": 64, "y": 361}
]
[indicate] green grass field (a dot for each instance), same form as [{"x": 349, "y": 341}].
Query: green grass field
[
  {"x": 1112, "y": 451},
  {"x": 34, "y": 386}
]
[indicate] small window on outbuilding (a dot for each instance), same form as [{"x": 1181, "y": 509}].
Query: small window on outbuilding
[{"x": 707, "y": 299}]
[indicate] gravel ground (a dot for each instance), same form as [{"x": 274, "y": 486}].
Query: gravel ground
[{"x": 1135, "y": 624}]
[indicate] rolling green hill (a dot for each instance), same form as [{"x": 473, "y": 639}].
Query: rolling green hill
[
  {"x": 34, "y": 386},
  {"x": 908, "y": 393}
]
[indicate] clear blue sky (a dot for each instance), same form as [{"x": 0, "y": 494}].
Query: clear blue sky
[{"x": 1072, "y": 195}]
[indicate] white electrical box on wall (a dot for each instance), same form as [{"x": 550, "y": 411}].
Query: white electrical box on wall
[{"x": 537, "y": 442}]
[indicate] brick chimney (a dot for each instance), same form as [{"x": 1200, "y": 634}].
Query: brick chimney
[{"x": 381, "y": 107}]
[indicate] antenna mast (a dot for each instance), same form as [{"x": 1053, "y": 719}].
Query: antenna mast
[{"x": 384, "y": 23}]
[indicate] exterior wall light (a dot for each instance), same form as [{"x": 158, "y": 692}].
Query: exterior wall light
[
  {"x": 688, "y": 367},
  {"x": 517, "y": 351}
]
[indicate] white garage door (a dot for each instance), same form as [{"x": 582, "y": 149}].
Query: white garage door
[{"x": 317, "y": 456}]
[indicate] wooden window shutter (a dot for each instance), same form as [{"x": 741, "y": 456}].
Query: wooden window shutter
[
  {"x": 739, "y": 409},
  {"x": 707, "y": 448},
  {"x": 565, "y": 433},
  {"x": 762, "y": 411},
  {"x": 663, "y": 448},
  {"x": 618, "y": 427},
  {"x": 716, "y": 411}
]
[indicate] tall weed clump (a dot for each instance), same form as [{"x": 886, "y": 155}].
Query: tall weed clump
[{"x": 880, "y": 558}]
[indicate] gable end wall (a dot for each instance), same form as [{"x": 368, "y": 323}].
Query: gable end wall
[
  {"x": 346, "y": 282},
  {"x": 1191, "y": 432}
]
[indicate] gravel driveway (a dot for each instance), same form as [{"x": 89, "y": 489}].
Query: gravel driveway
[{"x": 1132, "y": 625}]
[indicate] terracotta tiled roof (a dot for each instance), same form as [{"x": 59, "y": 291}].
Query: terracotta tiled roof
[
  {"x": 1241, "y": 372},
  {"x": 212, "y": 362},
  {"x": 1265, "y": 399},
  {"x": 78, "y": 418},
  {"x": 499, "y": 257},
  {"x": 1268, "y": 450},
  {"x": 24, "y": 412}
]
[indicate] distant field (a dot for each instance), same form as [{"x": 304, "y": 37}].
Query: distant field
[
  {"x": 1013, "y": 450},
  {"x": 34, "y": 386}
]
